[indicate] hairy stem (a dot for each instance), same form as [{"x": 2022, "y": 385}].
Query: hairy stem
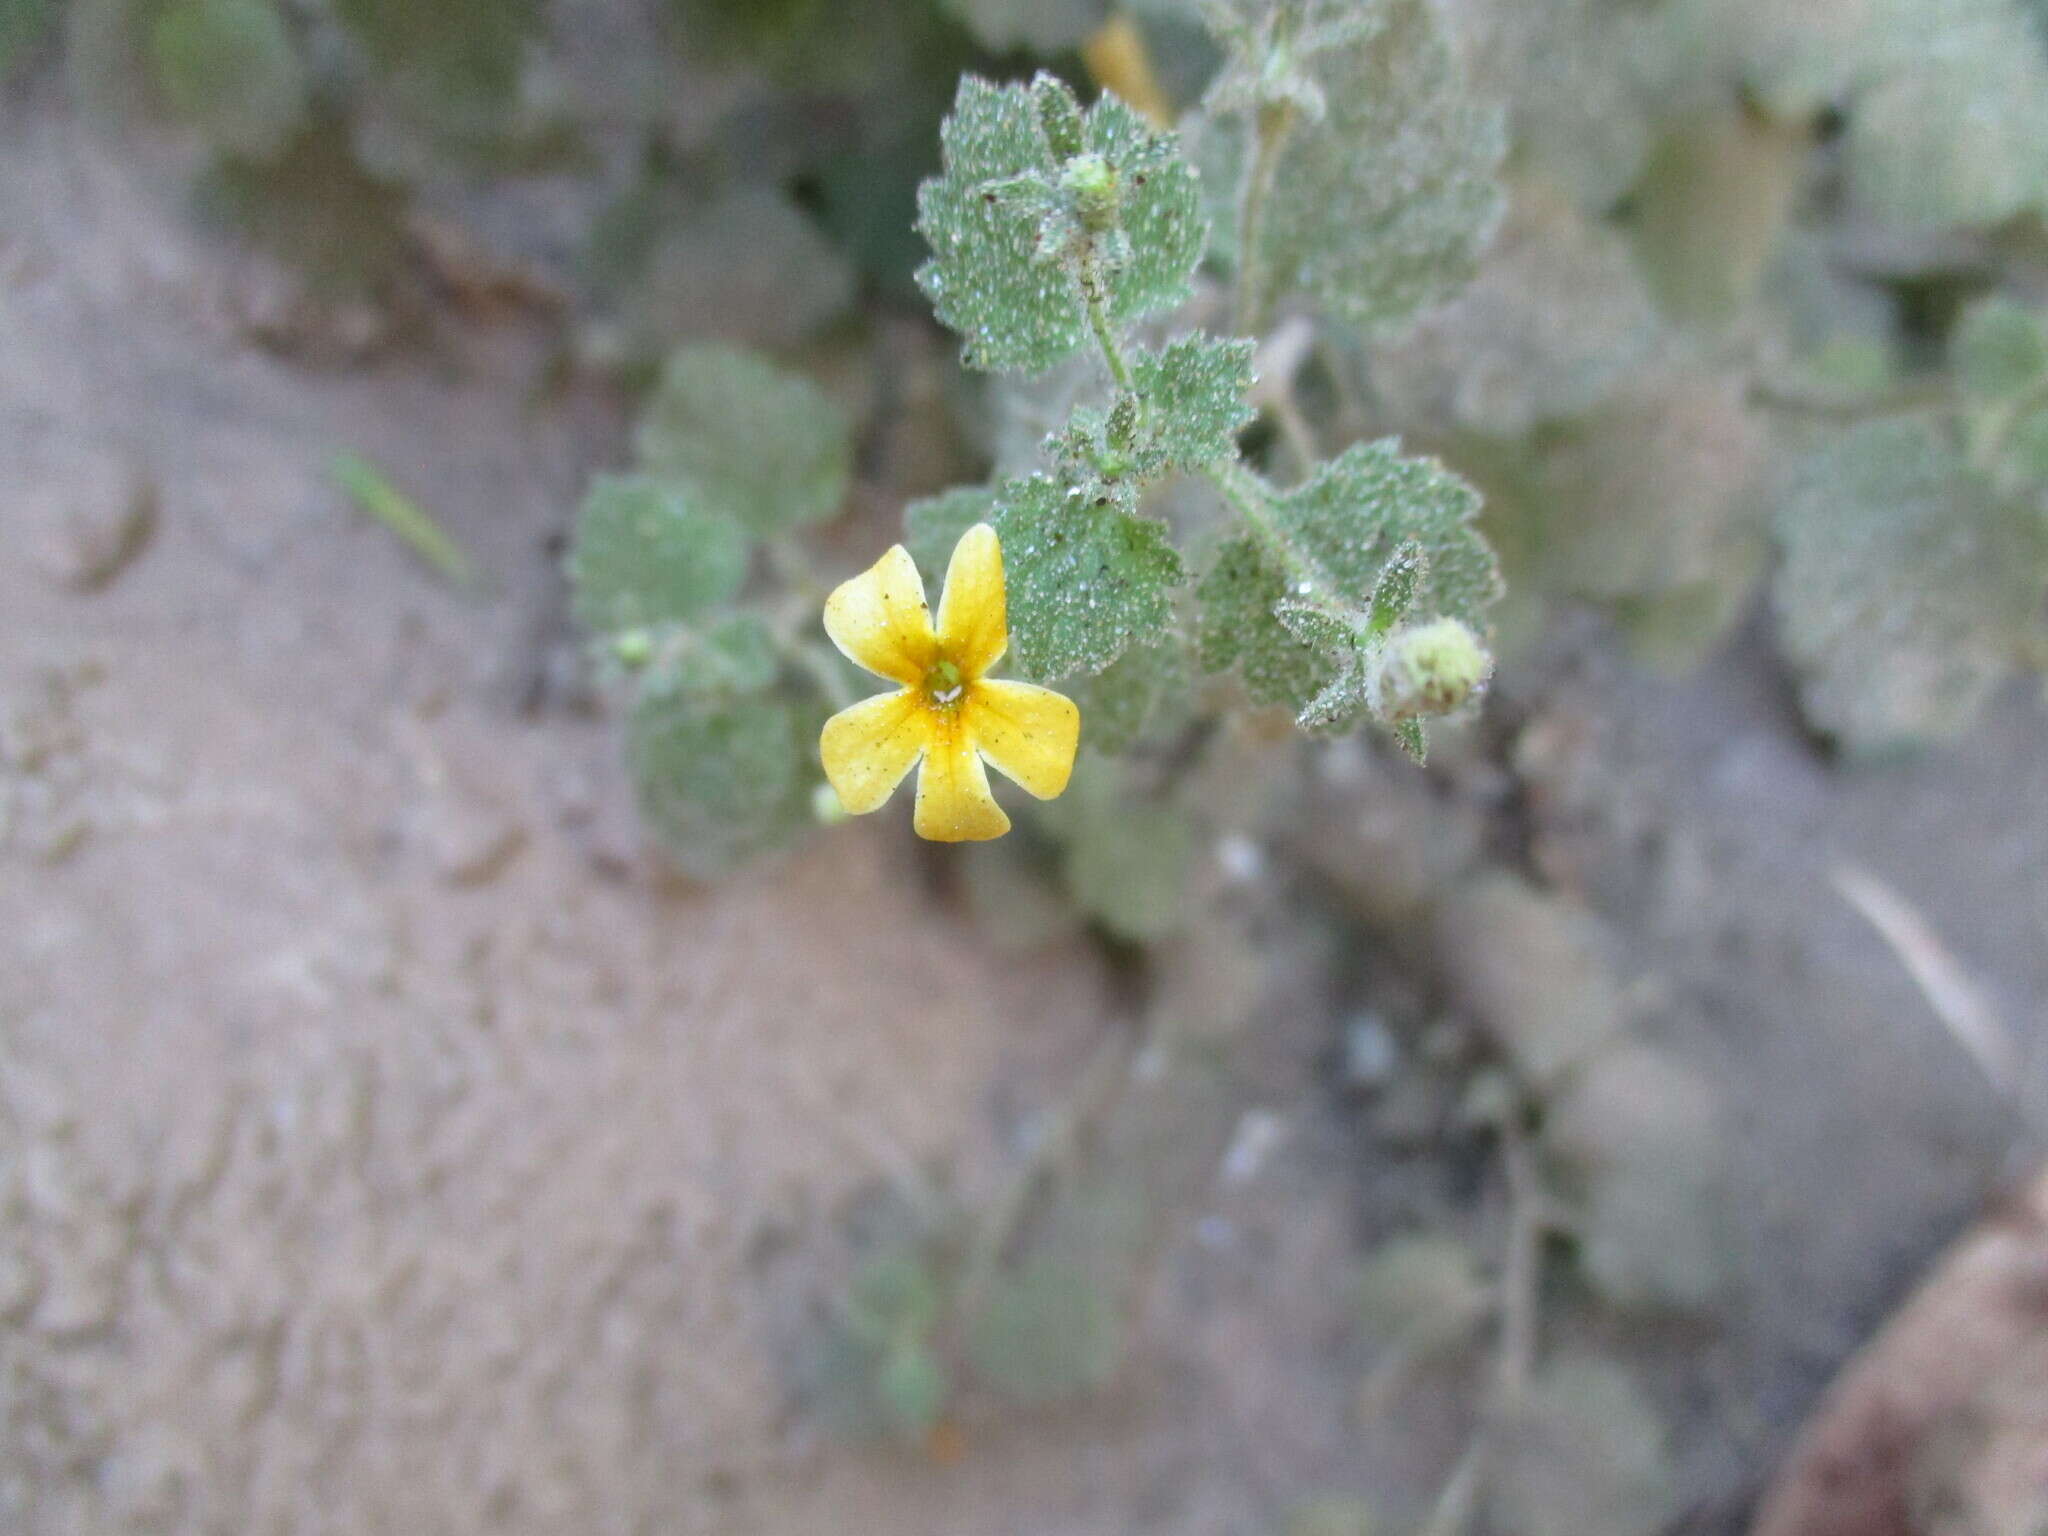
[
  {"x": 1095, "y": 292},
  {"x": 1248, "y": 497},
  {"x": 1274, "y": 123}
]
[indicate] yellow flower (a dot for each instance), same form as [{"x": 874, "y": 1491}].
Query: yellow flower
[{"x": 949, "y": 712}]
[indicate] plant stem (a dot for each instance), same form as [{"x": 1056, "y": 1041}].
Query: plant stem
[
  {"x": 1275, "y": 122},
  {"x": 1247, "y": 495},
  {"x": 1095, "y": 291}
]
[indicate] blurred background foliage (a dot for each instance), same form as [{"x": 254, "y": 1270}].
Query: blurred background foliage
[{"x": 1736, "y": 235}]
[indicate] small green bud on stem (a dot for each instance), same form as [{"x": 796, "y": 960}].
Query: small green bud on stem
[
  {"x": 1426, "y": 669},
  {"x": 1091, "y": 182}
]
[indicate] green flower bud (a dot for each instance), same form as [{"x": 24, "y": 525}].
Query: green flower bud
[
  {"x": 1091, "y": 182},
  {"x": 1426, "y": 669},
  {"x": 633, "y": 647},
  {"x": 827, "y": 809}
]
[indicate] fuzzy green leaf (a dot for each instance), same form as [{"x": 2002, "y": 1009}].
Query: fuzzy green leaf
[
  {"x": 1143, "y": 691},
  {"x": 1085, "y": 580},
  {"x": 1239, "y": 627},
  {"x": 765, "y": 446},
  {"x": 719, "y": 781},
  {"x": 1194, "y": 392},
  {"x": 932, "y": 526},
  {"x": 747, "y": 265},
  {"x": 1555, "y": 321},
  {"x": 1342, "y": 529},
  {"x": 1638, "y": 1135},
  {"x": 1908, "y": 588},
  {"x": 1048, "y": 1330},
  {"x": 734, "y": 656},
  {"x": 1579, "y": 1452},
  {"x": 1380, "y": 204},
  {"x": 458, "y": 61},
  {"x": 1006, "y": 231},
  {"x": 1948, "y": 120},
  {"x": 1999, "y": 347},
  {"x": 1421, "y": 1294},
  {"x": 317, "y": 207},
  {"x": 647, "y": 553},
  {"x": 228, "y": 67}
]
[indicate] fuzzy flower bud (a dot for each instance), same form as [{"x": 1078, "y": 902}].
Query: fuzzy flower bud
[{"x": 1426, "y": 669}]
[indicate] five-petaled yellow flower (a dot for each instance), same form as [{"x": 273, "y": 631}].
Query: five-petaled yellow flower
[{"x": 949, "y": 712}]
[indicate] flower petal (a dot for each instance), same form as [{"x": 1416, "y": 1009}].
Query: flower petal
[
  {"x": 868, "y": 747},
  {"x": 974, "y": 617},
  {"x": 1028, "y": 732},
  {"x": 953, "y": 802},
  {"x": 879, "y": 620}
]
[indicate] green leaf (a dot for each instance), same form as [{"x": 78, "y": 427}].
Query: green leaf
[
  {"x": 736, "y": 655},
  {"x": 912, "y": 1388},
  {"x": 747, "y": 265},
  {"x": 877, "y": 1374},
  {"x": 1687, "y": 444},
  {"x": 1085, "y": 580},
  {"x": 1579, "y": 1452},
  {"x": 1359, "y": 510},
  {"x": 228, "y": 67},
  {"x": 1194, "y": 392},
  {"x": 719, "y": 781},
  {"x": 1711, "y": 207},
  {"x": 1380, "y": 206},
  {"x": 648, "y": 552},
  {"x": 1556, "y": 320},
  {"x": 1639, "y": 1135},
  {"x": 1908, "y": 589},
  {"x": 1340, "y": 531},
  {"x": 933, "y": 525},
  {"x": 1573, "y": 76},
  {"x": 1948, "y": 120},
  {"x": 893, "y": 1294},
  {"x": 460, "y": 59},
  {"x": 1999, "y": 347},
  {"x": 1006, "y": 229},
  {"x": 1142, "y": 692},
  {"x": 1048, "y": 1330},
  {"x": 1239, "y": 627},
  {"x": 1421, "y": 1294},
  {"x": 1535, "y": 972},
  {"x": 317, "y": 208},
  {"x": 762, "y": 445}
]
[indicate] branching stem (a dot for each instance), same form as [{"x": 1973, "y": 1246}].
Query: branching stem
[{"x": 1275, "y": 121}]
